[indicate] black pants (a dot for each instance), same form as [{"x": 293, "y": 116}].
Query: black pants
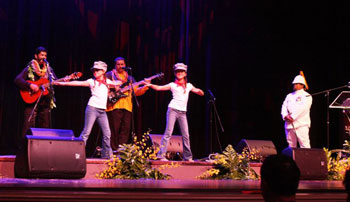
[
  {"x": 120, "y": 124},
  {"x": 40, "y": 118}
]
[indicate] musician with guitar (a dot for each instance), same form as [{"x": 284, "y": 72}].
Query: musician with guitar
[
  {"x": 37, "y": 111},
  {"x": 119, "y": 109}
]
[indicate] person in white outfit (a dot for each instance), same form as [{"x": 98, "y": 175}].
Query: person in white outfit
[{"x": 296, "y": 114}]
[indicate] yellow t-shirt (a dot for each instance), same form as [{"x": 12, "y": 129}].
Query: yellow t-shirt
[{"x": 126, "y": 102}]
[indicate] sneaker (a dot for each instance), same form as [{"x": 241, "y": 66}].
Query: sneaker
[
  {"x": 189, "y": 160},
  {"x": 163, "y": 159}
]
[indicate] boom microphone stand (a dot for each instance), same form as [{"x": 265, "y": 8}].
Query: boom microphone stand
[
  {"x": 326, "y": 94},
  {"x": 214, "y": 116}
]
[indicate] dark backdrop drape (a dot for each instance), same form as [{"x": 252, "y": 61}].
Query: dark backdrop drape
[{"x": 245, "y": 52}]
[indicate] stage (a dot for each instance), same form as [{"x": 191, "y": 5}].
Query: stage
[
  {"x": 183, "y": 187},
  {"x": 151, "y": 190}
]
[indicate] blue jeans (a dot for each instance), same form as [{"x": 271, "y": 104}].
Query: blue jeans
[
  {"x": 172, "y": 116},
  {"x": 91, "y": 115}
]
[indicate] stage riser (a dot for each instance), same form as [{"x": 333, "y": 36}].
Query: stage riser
[
  {"x": 183, "y": 171},
  {"x": 93, "y": 167},
  {"x": 7, "y": 169}
]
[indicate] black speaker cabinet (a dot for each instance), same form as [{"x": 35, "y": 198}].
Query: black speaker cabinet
[
  {"x": 265, "y": 147},
  {"x": 175, "y": 143},
  {"x": 51, "y": 157},
  {"x": 311, "y": 162},
  {"x": 50, "y": 132}
]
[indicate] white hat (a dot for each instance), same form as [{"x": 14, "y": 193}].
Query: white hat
[
  {"x": 180, "y": 66},
  {"x": 100, "y": 65},
  {"x": 299, "y": 79}
]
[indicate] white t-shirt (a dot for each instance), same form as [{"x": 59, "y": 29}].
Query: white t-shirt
[
  {"x": 99, "y": 93},
  {"x": 180, "y": 96}
]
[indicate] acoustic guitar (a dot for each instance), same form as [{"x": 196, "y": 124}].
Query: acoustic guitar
[{"x": 30, "y": 97}]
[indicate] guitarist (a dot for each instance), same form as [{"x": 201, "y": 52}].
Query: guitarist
[
  {"x": 36, "y": 69},
  {"x": 120, "y": 113}
]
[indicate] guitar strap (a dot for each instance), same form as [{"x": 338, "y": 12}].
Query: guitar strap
[
  {"x": 114, "y": 75},
  {"x": 50, "y": 76},
  {"x": 124, "y": 81}
]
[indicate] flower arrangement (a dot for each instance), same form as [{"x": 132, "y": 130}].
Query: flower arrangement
[
  {"x": 337, "y": 163},
  {"x": 231, "y": 165},
  {"x": 254, "y": 155},
  {"x": 133, "y": 162}
]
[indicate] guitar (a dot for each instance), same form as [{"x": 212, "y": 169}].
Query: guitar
[
  {"x": 30, "y": 97},
  {"x": 114, "y": 95}
]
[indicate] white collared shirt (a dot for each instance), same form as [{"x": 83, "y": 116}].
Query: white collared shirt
[{"x": 297, "y": 104}]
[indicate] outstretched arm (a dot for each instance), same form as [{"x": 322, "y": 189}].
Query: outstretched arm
[
  {"x": 159, "y": 88},
  {"x": 197, "y": 91},
  {"x": 72, "y": 83}
]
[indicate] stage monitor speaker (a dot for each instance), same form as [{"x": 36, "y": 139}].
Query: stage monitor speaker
[
  {"x": 50, "y": 132},
  {"x": 311, "y": 162},
  {"x": 265, "y": 147},
  {"x": 175, "y": 143},
  {"x": 51, "y": 157}
]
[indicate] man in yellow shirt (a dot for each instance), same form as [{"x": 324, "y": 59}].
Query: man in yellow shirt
[{"x": 120, "y": 113}]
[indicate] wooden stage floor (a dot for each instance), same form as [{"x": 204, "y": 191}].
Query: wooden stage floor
[
  {"x": 12, "y": 189},
  {"x": 90, "y": 189}
]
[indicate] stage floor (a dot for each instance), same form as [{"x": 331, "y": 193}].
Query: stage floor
[
  {"x": 183, "y": 187},
  {"x": 12, "y": 189}
]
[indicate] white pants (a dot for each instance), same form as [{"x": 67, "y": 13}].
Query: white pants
[{"x": 300, "y": 135}]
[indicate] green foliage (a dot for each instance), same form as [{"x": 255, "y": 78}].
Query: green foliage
[
  {"x": 133, "y": 162},
  {"x": 230, "y": 165},
  {"x": 336, "y": 163}
]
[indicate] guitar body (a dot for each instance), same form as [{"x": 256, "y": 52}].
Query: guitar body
[
  {"x": 43, "y": 83},
  {"x": 114, "y": 96},
  {"x": 29, "y": 96}
]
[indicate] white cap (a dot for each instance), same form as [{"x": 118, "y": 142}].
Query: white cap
[
  {"x": 299, "y": 79},
  {"x": 180, "y": 66},
  {"x": 100, "y": 65}
]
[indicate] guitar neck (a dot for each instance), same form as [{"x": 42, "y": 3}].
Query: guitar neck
[
  {"x": 126, "y": 88},
  {"x": 59, "y": 80},
  {"x": 49, "y": 83},
  {"x": 75, "y": 75}
]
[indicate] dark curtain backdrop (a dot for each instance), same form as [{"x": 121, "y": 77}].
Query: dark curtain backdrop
[{"x": 246, "y": 52}]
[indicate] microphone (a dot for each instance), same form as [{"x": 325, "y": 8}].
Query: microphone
[
  {"x": 45, "y": 61},
  {"x": 127, "y": 68},
  {"x": 211, "y": 95}
]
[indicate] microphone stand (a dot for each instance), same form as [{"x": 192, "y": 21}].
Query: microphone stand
[
  {"x": 214, "y": 112},
  {"x": 326, "y": 94},
  {"x": 36, "y": 104},
  {"x": 52, "y": 90},
  {"x": 132, "y": 109}
]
